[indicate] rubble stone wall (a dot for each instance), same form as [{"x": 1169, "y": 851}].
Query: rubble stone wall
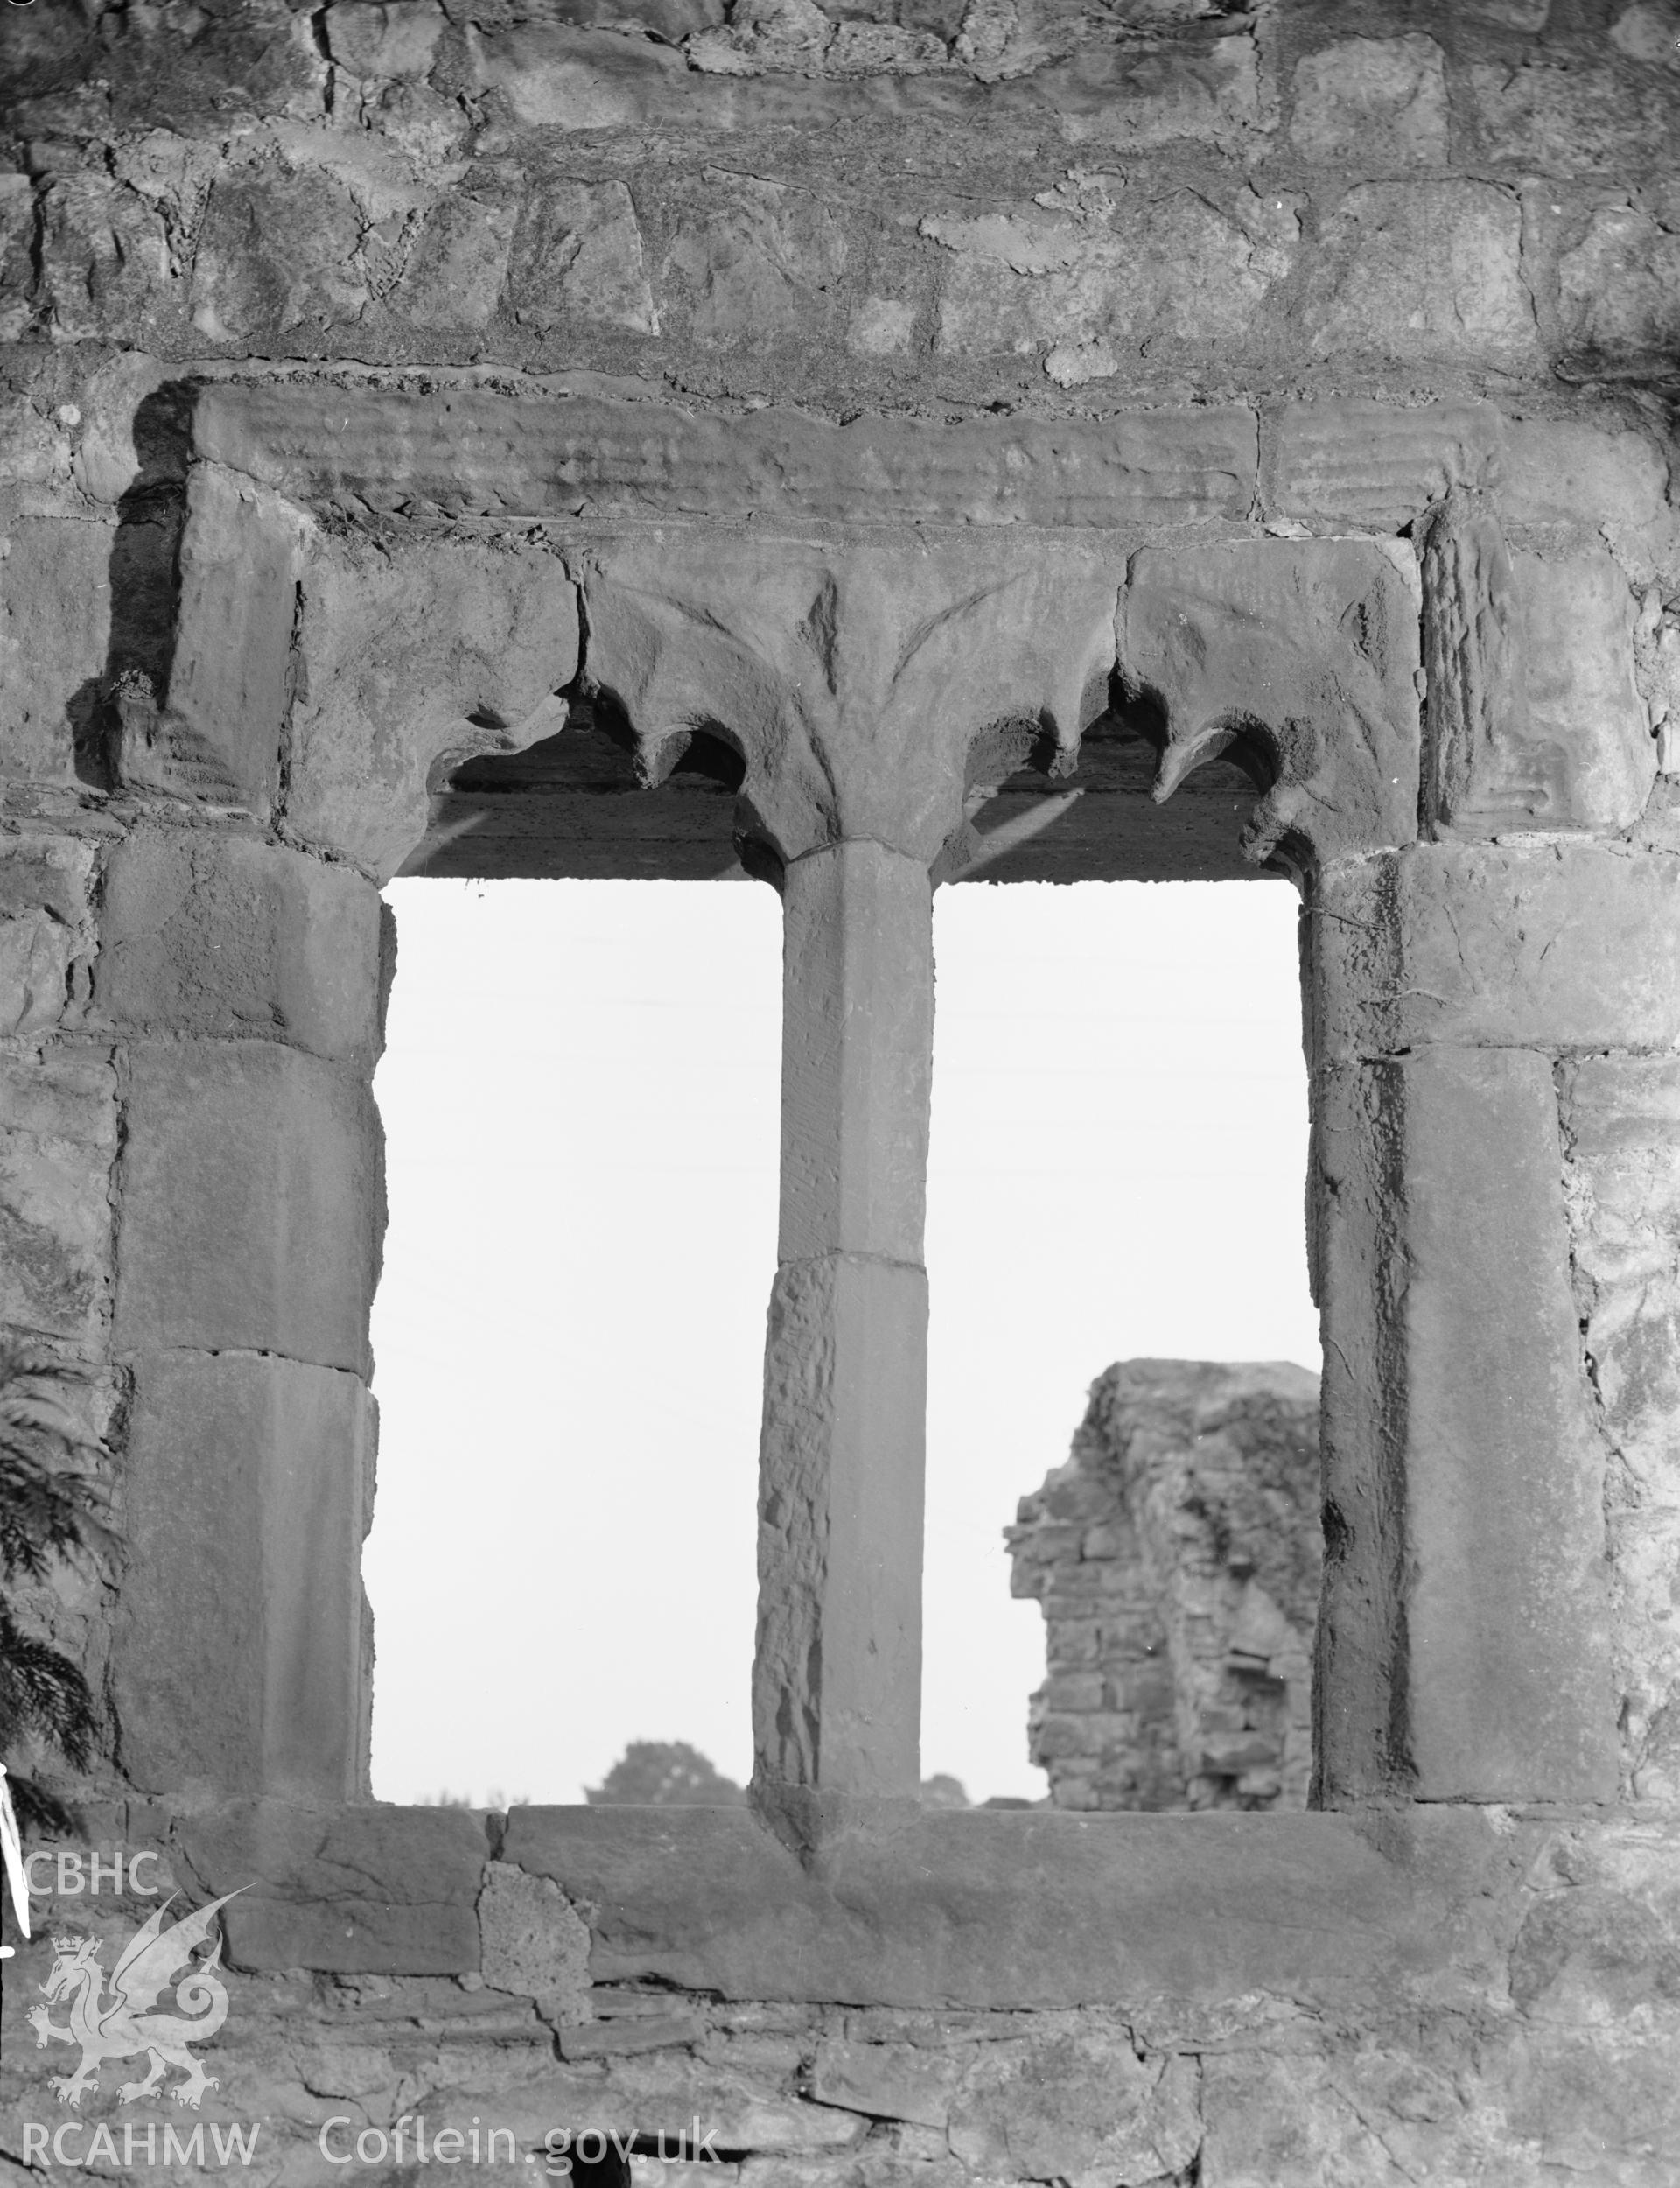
[
  {"x": 1176, "y": 1558},
  {"x": 867, "y": 448}
]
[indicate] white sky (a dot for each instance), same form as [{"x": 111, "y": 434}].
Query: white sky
[{"x": 579, "y": 1097}]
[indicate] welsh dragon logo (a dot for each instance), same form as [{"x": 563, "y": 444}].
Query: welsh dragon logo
[{"x": 116, "y": 2025}]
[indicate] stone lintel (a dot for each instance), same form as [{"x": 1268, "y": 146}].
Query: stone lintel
[{"x": 473, "y": 450}]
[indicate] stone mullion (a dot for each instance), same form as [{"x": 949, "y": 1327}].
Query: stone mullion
[{"x": 837, "y": 1672}]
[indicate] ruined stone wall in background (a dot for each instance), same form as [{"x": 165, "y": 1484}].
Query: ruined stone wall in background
[{"x": 1176, "y": 1558}]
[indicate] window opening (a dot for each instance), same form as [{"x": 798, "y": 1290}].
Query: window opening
[
  {"x": 579, "y": 1093},
  {"x": 1117, "y": 1163}
]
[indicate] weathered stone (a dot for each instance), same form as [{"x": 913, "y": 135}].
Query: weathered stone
[
  {"x": 221, "y": 934},
  {"x": 379, "y": 41},
  {"x": 756, "y": 257},
  {"x": 1310, "y": 646},
  {"x": 552, "y": 77},
  {"x": 837, "y": 1665},
  {"x": 1137, "y": 277},
  {"x": 45, "y": 931},
  {"x": 55, "y": 623},
  {"x": 1534, "y": 719},
  {"x": 241, "y": 1674},
  {"x": 1033, "y": 2109},
  {"x": 117, "y": 451},
  {"x": 278, "y": 252},
  {"x": 1272, "y": 2118},
  {"x": 58, "y": 1142},
  {"x": 1551, "y": 121},
  {"x": 1114, "y": 94},
  {"x": 253, "y": 1203},
  {"x": 1376, "y": 101},
  {"x": 1375, "y": 464},
  {"x": 534, "y": 1941},
  {"x": 477, "y": 452},
  {"x": 1556, "y": 947},
  {"x": 1208, "y": 1538},
  {"x": 230, "y": 686},
  {"x": 579, "y": 256},
  {"x": 368, "y": 1890},
  {"x": 1557, "y": 472},
  {"x": 669, "y": 2091},
  {"x": 107, "y": 270},
  {"x": 1478, "y": 1668},
  {"x": 981, "y": 1907},
  {"x": 455, "y": 273},
  {"x": 888, "y": 2081},
  {"x": 1619, "y": 289},
  {"x": 411, "y": 663},
  {"x": 1621, "y": 1118},
  {"x": 1418, "y": 269},
  {"x": 852, "y": 681}
]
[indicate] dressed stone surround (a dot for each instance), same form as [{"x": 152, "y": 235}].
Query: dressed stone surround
[{"x": 863, "y": 455}]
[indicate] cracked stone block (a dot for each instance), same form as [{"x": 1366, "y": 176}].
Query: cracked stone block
[
  {"x": 1571, "y": 945},
  {"x": 218, "y": 934},
  {"x": 1373, "y": 102},
  {"x": 58, "y": 1142},
  {"x": 237, "y": 1667},
  {"x": 367, "y": 1889},
  {"x": 534, "y": 1943},
  {"x": 253, "y": 1203},
  {"x": 1416, "y": 269}
]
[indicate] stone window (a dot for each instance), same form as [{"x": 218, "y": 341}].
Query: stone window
[{"x": 1065, "y": 626}]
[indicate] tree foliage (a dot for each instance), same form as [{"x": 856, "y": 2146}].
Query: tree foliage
[
  {"x": 51, "y": 1507},
  {"x": 661, "y": 1774}
]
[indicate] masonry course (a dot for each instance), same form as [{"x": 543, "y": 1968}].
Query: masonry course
[{"x": 870, "y": 449}]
